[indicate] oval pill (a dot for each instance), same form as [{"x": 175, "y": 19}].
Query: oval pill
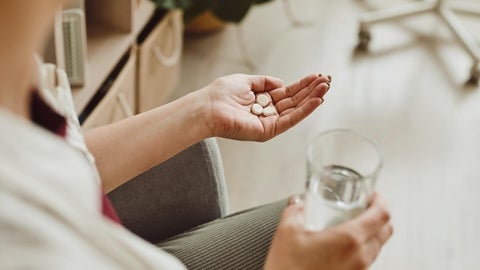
[
  {"x": 257, "y": 109},
  {"x": 263, "y": 99},
  {"x": 269, "y": 111}
]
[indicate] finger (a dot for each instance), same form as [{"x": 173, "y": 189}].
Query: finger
[
  {"x": 281, "y": 93},
  {"x": 376, "y": 243},
  {"x": 319, "y": 91},
  {"x": 264, "y": 83},
  {"x": 289, "y": 91},
  {"x": 293, "y": 101},
  {"x": 287, "y": 111},
  {"x": 294, "y": 211},
  {"x": 329, "y": 77},
  {"x": 295, "y": 199},
  {"x": 385, "y": 233},
  {"x": 298, "y": 114},
  {"x": 373, "y": 219}
]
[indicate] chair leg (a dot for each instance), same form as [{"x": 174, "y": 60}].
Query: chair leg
[
  {"x": 465, "y": 7},
  {"x": 445, "y": 10},
  {"x": 396, "y": 13},
  {"x": 466, "y": 40}
]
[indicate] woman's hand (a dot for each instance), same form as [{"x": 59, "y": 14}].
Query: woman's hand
[
  {"x": 351, "y": 245},
  {"x": 231, "y": 97}
]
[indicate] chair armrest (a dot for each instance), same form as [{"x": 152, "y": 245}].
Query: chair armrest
[{"x": 185, "y": 191}]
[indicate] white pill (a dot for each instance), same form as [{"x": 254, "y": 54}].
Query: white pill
[
  {"x": 263, "y": 99},
  {"x": 257, "y": 109},
  {"x": 269, "y": 111}
]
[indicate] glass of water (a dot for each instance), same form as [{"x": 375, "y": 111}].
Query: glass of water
[{"x": 342, "y": 167}]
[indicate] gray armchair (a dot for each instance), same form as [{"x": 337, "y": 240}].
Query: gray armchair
[{"x": 179, "y": 194}]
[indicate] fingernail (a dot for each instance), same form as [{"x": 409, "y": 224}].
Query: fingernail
[
  {"x": 329, "y": 77},
  {"x": 320, "y": 75}
]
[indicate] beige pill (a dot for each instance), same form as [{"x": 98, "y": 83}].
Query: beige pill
[
  {"x": 257, "y": 109},
  {"x": 269, "y": 111},
  {"x": 263, "y": 99}
]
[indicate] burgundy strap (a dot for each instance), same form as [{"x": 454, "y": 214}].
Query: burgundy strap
[
  {"x": 46, "y": 117},
  {"x": 108, "y": 210}
]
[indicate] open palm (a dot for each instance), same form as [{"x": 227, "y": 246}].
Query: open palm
[{"x": 231, "y": 98}]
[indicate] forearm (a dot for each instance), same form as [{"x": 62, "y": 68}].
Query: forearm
[{"x": 127, "y": 148}]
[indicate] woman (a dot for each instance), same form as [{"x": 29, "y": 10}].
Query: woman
[{"x": 53, "y": 212}]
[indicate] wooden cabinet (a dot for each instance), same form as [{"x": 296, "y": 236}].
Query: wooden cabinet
[
  {"x": 120, "y": 100},
  {"x": 159, "y": 61},
  {"x": 112, "y": 30},
  {"x": 115, "y": 28}
]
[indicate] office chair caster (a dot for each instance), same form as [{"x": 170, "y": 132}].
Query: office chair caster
[
  {"x": 474, "y": 75},
  {"x": 364, "y": 38}
]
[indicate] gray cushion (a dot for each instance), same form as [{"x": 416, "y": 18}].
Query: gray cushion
[{"x": 181, "y": 193}]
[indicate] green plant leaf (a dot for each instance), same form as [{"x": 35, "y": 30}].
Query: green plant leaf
[
  {"x": 173, "y": 4},
  {"x": 232, "y": 10}
]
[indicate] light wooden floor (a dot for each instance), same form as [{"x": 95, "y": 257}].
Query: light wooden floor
[{"x": 407, "y": 93}]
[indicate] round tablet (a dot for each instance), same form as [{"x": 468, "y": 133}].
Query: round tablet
[
  {"x": 257, "y": 109},
  {"x": 269, "y": 111},
  {"x": 263, "y": 99}
]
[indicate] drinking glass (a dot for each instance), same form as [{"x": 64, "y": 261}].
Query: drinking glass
[{"x": 342, "y": 168}]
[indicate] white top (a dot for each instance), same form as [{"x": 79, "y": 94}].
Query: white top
[{"x": 50, "y": 203}]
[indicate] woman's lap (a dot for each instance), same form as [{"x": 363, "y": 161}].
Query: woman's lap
[{"x": 237, "y": 241}]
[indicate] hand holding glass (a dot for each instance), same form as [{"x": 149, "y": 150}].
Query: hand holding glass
[{"x": 342, "y": 169}]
